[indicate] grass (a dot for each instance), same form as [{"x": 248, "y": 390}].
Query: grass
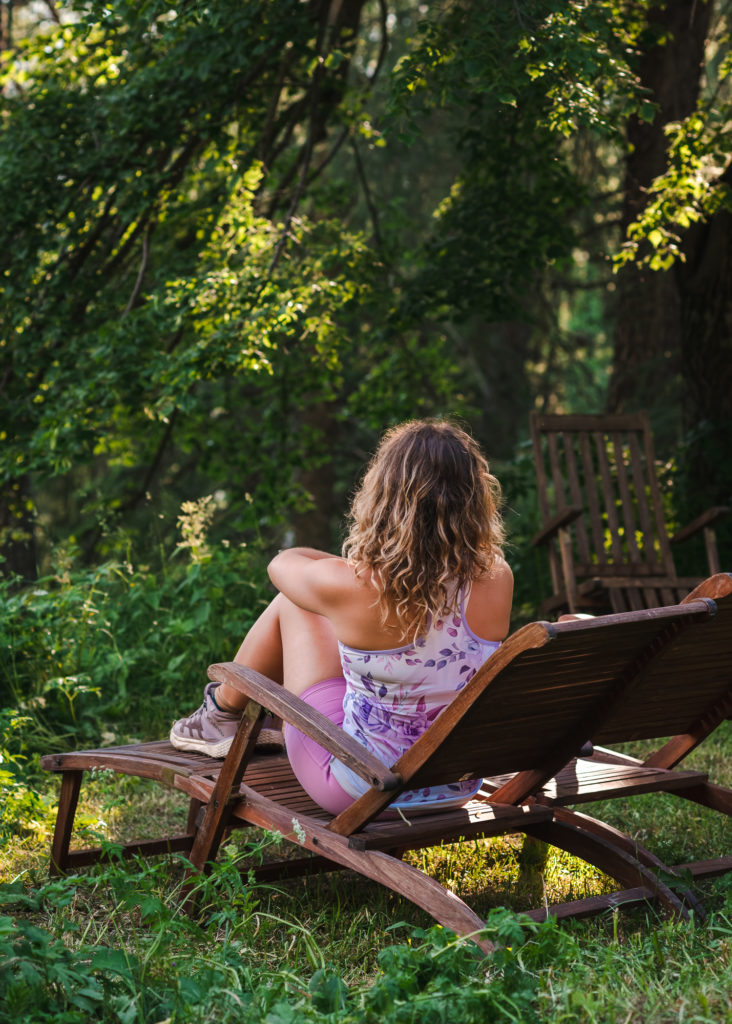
[{"x": 113, "y": 945}]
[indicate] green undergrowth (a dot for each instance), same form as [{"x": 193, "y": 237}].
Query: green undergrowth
[
  {"x": 114, "y": 945},
  {"x": 92, "y": 656}
]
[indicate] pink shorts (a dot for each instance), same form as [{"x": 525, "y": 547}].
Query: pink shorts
[{"x": 310, "y": 762}]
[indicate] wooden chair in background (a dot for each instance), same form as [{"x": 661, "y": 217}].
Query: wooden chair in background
[
  {"x": 603, "y": 521},
  {"x": 518, "y": 724}
]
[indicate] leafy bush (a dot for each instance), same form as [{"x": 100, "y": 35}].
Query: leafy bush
[
  {"x": 23, "y": 807},
  {"x": 87, "y": 650}
]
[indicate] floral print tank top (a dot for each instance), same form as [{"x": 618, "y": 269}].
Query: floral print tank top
[{"x": 393, "y": 696}]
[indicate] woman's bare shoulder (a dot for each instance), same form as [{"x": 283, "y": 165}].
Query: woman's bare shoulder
[
  {"x": 339, "y": 579},
  {"x": 500, "y": 567},
  {"x": 489, "y": 607},
  {"x": 498, "y": 575}
]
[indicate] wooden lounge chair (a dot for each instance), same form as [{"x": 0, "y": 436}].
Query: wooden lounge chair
[
  {"x": 602, "y": 516},
  {"x": 518, "y": 724}
]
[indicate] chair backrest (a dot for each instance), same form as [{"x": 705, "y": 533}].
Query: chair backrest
[
  {"x": 604, "y": 465},
  {"x": 550, "y": 687}
]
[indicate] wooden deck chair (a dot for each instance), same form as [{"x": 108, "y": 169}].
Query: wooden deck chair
[
  {"x": 603, "y": 521},
  {"x": 518, "y": 724}
]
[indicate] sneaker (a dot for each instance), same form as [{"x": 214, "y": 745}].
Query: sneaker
[
  {"x": 208, "y": 730},
  {"x": 270, "y": 739}
]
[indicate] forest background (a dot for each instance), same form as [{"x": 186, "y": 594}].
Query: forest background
[{"x": 239, "y": 239}]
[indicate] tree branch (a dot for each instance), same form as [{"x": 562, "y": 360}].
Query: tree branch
[
  {"x": 373, "y": 212},
  {"x": 140, "y": 274}
]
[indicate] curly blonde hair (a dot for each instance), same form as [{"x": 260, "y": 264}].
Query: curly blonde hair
[{"x": 425, "y": 520}]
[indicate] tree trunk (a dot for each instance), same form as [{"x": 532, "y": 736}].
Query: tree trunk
[
  {"x": 315, "y": 527},
  {"x": 647, "y": 344},
  {"x": 705, "y": 290}
]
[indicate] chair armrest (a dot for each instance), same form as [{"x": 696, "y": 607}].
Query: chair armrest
[
  {"x": 305, "y": 718},
  {"x": 555, "y": 524},
  {"x": 700, "y": 523}
]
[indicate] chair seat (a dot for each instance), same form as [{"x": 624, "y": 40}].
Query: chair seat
[
  {"x": 583, "y": 780},
  {"x": 274, "y": 779}
]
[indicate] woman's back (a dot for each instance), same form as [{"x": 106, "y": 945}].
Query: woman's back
[{"x": 392, "y": 696}]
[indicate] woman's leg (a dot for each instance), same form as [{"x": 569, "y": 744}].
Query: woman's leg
[
  {"x": 310, "y": 762},
  {"x": 290, "y": 645}
]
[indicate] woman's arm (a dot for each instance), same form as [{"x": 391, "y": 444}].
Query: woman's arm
[
  {"x": 312, "y": 553},
  {"x": 312, "y": 579}
]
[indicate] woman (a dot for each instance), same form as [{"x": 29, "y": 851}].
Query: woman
[{"x": 381, "y": 638}]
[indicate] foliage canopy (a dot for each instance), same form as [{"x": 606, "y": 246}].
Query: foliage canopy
[{"x": 212, "y": 276}]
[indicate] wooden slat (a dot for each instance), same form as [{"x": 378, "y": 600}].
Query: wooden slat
[
  {"x": 560, "y": 498},
  {"x": 626, "y": 502},
  {"x": 609, "y": 577},
  {"x": 143, "y": 848},
  {"x": 540, "y": 466},
  {"x": 147, "y": 760},
  {"x": 588, "y": 422},
  {"x": 657, "y": 507},
  {"x": 608, "y": 494},
  {"x": 575, "y": 495},
  {"x": 590, "y": 476},
  {"x": 585, "y": 781},
  {"x": 295, "y": 868},
  {"x": 642, "y": 493}
]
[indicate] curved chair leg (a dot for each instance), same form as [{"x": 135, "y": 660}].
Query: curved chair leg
[
  {"x": 606, "y": 853},
  {"x": 444, "y": 906},
  {"x": 67, "y": 801},
  {"x": 631, "y": 847}
]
